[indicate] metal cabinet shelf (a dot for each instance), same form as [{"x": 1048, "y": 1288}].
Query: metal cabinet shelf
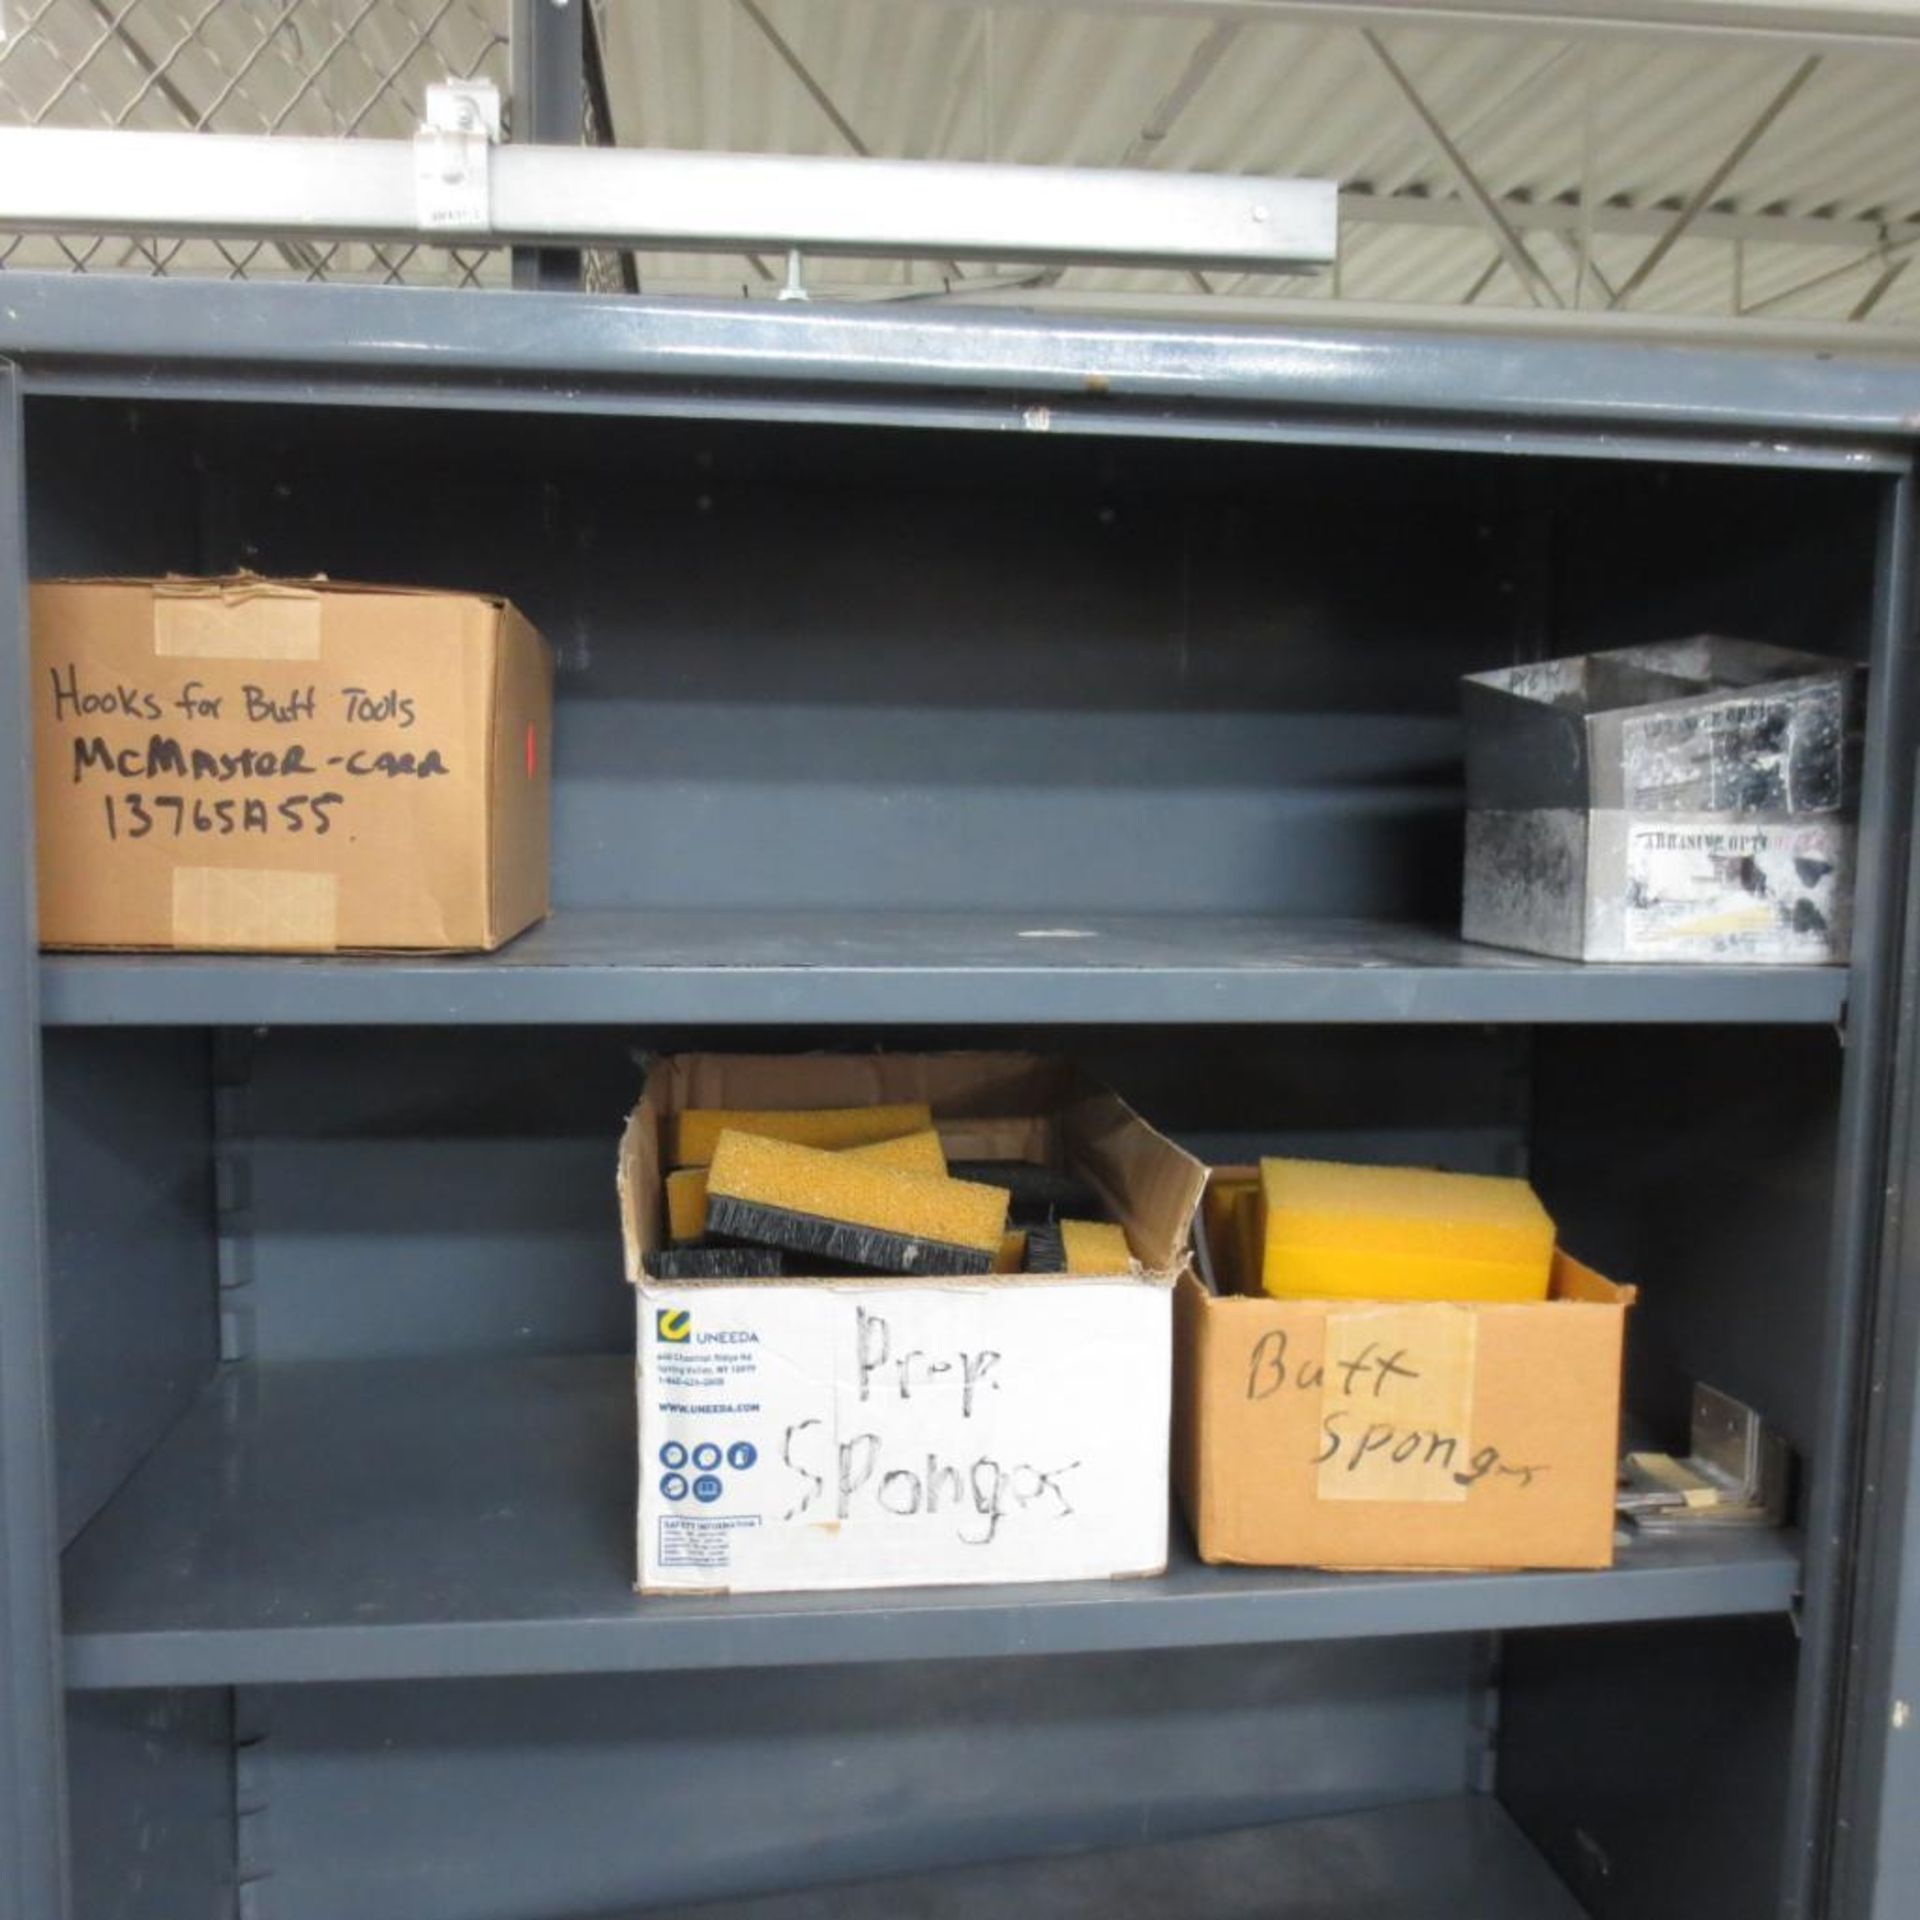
[
  {"x": 948, "y": 673},
  {"x": 1430, "y": 1861},
  {"x": 756, "y": 967},
  {"x": 247, "y": 1551}
]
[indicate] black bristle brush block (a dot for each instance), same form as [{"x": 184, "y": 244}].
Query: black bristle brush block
[
  {"x": 1036, "y": 1194},
  {"x": 1046, "y": 1250},
  {"x": 713, "y": 1263},
  {"x": 809, "y": 1237}
]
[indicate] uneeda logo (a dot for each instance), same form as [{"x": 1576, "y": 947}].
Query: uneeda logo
[{"x": 673, "y": 1325}]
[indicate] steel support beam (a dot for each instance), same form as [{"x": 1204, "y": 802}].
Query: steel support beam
[
  {"x": 788, "y": 58},
  {"x": 1563, "y": 217},
  {"x": 1581, "y": 244},
  {"x": 1841, "y": 25},
  {"x": 1198, "y": 70},
  {"x": 1167, "y": 110},
  {"x": 549, "y": 65},
  {"x": 1887, "y": 257},
  {"x": 1532, "y": 275},
  {"x": 1718, "y": 178},
  {"x": 1881, "y": 287},
  {"x": 815, "y": 91},
  {"x": 1585, "y": 267},
  {"x": 1483, "y": 280},
  {"x": 241, "y": 187}
]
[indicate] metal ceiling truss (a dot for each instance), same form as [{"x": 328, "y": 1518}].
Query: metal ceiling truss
[
  {"x": 1512, "y": 248},
  {"x": 1830, "y": 24},
  {"x": 1703, "y": 194},
  {"x": 1547, "y": 246}
]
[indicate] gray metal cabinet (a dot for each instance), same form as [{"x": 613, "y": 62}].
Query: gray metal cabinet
[{"x": 926, "y": 676}]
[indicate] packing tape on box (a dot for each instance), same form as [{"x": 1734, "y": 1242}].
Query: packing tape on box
[
  {"x": 1396, "y": 1404},
  {"x": 270, "y": 907},
  {"x": 235, "y": 620}
]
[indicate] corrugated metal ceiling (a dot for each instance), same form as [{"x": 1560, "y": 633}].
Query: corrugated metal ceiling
[
  {"x": 1564, "y": 128},
  {"x": 1826, "y": 200}
]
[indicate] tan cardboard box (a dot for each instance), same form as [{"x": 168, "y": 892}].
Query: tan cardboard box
[
  {"x": 291, "y": 766},
  {"x": 910, "y": 1432},
  {"x": 1352, "y": 1434}
]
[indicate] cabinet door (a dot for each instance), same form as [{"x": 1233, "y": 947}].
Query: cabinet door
[
  {"x": 1876, "y": 1852},
  {"x": 1876, "y": 1840},
  {"x": 32, "y": 1797},
  {"x": 1891, "y": 1722}
]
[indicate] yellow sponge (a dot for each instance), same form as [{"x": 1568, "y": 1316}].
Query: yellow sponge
[
  {"x": 1232, "y": 1212},
  {"x": 911, "y": 1152},
  {"x": 1249, "y": 1232},
  {"x": 687, "y": 1186},
  {"x": 686, "y": 1203},
  {"x": 1093, "y": 1246},
  {"x": 1401, "y": 1233},
  {"x": 837, "y": 1208},
  {"x": 1013, "y": 1251},
  {"x": 694, "y": 1133}
]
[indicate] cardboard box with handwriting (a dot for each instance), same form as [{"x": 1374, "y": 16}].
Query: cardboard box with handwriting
[
  {"x": 1359, "y": 1434},
  {"x": 292, "y": 766},
  {"x": 837, "y": 1432}
]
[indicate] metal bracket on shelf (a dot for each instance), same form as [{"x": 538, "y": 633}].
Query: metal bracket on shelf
[
  {"x": 795, "y": 286},
  {"x": 452, "y": 157},
  {"x": 1736, "y": 1475},
  {"x": 252, "y": 1794}
]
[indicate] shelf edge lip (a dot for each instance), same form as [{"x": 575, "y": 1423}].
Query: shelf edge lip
[
  {"x": 1377, "y": 1609},
  {"x": 145, "y": 328},
  {"x": 78, "y": 991}
]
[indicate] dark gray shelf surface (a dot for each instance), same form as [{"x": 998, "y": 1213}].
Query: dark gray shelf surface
[
  {"x": 407, "y": 1519},
  {"x": 871, "y": 967},
  {"x": 1434, "y": 1860}
]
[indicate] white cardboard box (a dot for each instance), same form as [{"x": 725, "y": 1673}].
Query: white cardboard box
[
  {"x": 834, "y": 1434},
  {"x": 904, "y": 1432}
]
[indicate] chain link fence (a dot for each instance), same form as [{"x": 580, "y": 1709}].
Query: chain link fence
[
  {"x": 327, "y": 68},
  {"x": 601, "y": 271}
]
